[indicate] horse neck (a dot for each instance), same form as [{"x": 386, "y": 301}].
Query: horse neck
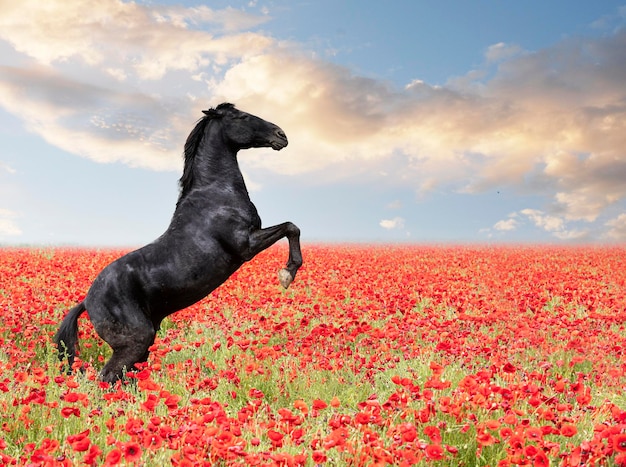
[{"x": 215, "y": 164}]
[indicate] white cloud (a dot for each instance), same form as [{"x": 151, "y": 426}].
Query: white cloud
[
  {"x": 555, "y": 225},
  {"x": 8, "y": 226},
  {"x": 397, "y": 223},
  {"x": 617, "y": 228},
  {"x": 573, "y": 234},
  {"x": 544, "y": 221},
  {"x": 506, "y": 225},
  {"x": 7, "y": 168}
]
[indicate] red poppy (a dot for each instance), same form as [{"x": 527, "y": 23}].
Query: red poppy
[
  {"x": 151, "y": 402},
  {"x": 152, "y": 441},
  {"x": 81, "y": 445},
  {"x": 132, "y": 452},
  {"x": 531, "y": 450},
  {"x": 67, "y": 412},
  {"x": 319, "y": 404},
  {"x": 568, "y": 430},
  {"x": 113, "y": 457},
  {"x": 434, "y": 452},
  {"x": 433, "y": 433},
  {"x": 301, "y": 406},
  {"x": 319, "y": 457},
  {"x": 91, "y": 457},
  {"x": 541, "y": 460},
  {"x": 533, "y": 432},
  {"x": 619, "y": 442},
  {"x": 275, "y": 437}
]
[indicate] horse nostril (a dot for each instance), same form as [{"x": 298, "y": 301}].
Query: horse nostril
[{"x": 281, "y": 133}]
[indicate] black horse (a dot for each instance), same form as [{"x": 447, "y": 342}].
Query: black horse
[{"x": 214, "y": 230}]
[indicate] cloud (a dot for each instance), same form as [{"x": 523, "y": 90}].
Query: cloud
[
  {"x": 7, "y": 168},
  {"x": 506, "y": 225},
  {"x": 8, "y": 226},
  {"x": 117, "y": 81},
  {"x": 555, "y": 225},
  {"x": 94, "y": 121},
  {"x": 79, "y": 86},
  {"x": 228, "y": 19},
  {"x": 149, "y": 41},
  {"x": 617, "y": 228},
  {"x": 501, "y": 51},
  {"x": 544, "y": 221},
  {"x": 397, "y": 223}
]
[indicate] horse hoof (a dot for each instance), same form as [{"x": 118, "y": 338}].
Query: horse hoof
[{"x": 285, "y": 278}]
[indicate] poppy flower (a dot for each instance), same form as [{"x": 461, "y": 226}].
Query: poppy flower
[
  {"x": 113, "y": 458},
  {"x": 433, "y": 433},
  {"x": 568, "y": 430},
  {"x": 540, "y": 459},
  {"x": 434, "y": 452},
  {"x": 319, "y": 404},
  {"x": 619, "y": 442},
  {"x": 531, "y": 450},
  {"x": 91, "y": 457},
  {"x": 301, "y": 406},
  {"x": 81, "y": 445},
  {"x": 67, "y": 412},
  {"x": 319, "y": 457},
  {"x": 131, "y": 452},
  {"x": 275, "y": 437},
  {"x": 152, "y": 441}
]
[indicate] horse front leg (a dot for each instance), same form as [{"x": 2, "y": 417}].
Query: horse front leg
[{"x": 262, "y": 239}]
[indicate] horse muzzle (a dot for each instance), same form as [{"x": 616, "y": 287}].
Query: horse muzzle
[{"x": 279, "y": 140}]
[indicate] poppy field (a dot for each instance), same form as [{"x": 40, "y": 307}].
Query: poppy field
[{"x": 376, "y": 355}]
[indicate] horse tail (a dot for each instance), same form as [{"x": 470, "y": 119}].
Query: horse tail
[{"x": 66, "y": 337}]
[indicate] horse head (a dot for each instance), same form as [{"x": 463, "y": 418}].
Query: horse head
[{"x": 243, "y": 130}]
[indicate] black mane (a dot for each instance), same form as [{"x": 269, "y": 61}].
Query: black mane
[{"x": 192, "y": 144}]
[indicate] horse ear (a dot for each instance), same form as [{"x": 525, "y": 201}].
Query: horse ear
[
  {"x": 219, "y": 110},
  {"x": 211, "y": 113}
]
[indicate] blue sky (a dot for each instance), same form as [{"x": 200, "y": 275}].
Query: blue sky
[{"x": 412, "y": 121}]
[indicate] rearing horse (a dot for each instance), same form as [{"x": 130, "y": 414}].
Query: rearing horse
[{"x": 214, "y": 230}]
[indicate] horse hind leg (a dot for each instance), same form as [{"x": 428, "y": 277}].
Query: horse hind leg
[{"x": 130, "y": 345}]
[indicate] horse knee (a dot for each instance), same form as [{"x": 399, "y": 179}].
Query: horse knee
[{"x": 293, "y": 230}]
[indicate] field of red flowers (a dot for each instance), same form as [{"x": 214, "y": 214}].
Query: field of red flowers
[{"x": 376, "y": 355}]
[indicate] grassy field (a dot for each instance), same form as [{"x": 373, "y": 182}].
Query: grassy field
[{"x": 376, "y": 355}]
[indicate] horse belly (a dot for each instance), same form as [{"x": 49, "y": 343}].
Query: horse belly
[
  {"x": 174, "y": 292},
  {"x": 156, "y": 285}
]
